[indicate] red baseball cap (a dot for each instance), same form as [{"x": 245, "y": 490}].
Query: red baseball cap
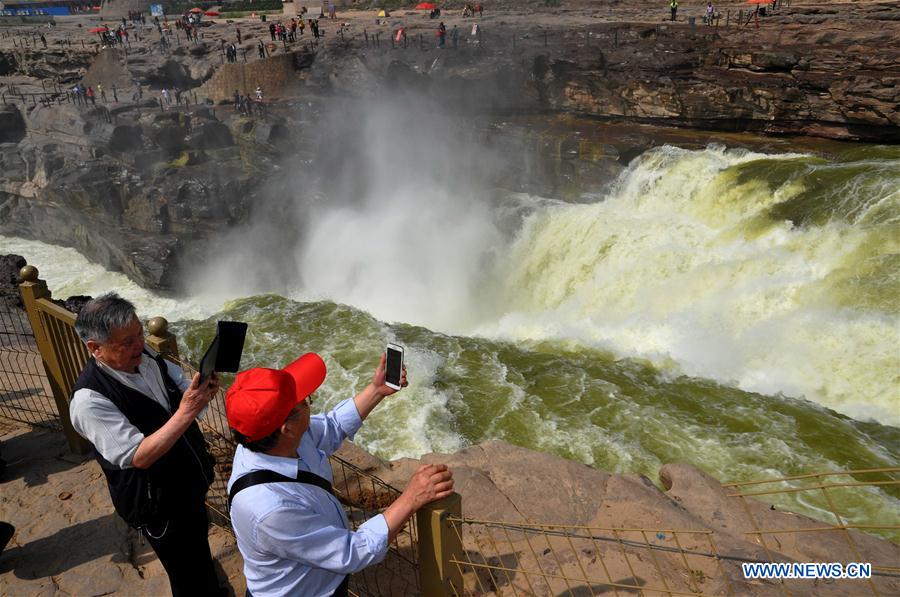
[{"x": 259, "y": 400}]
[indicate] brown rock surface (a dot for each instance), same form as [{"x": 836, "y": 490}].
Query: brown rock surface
[{"x": 501, "y": 482}]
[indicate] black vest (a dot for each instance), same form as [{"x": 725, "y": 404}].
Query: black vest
[{"x": 181, "y": 476}]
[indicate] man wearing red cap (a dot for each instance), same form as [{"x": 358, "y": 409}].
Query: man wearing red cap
[{"x": 291, "y": 530}]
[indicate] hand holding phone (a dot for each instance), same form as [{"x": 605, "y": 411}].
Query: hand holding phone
[{"x": 393, "y": 369}]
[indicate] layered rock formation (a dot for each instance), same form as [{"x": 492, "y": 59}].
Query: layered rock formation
[
  {"x": 826, "y": 80},
  {"x": 137, "y": 190},
  {"x": 127, "y": 191}
]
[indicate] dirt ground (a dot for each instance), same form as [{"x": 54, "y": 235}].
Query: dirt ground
[{"x": 68, "y": 540}]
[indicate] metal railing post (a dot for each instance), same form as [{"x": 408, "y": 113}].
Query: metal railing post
[
  {"x": 161, "y": 339},
  {"x": 439, "y": 541},
  {"x": 32, "y": 289}
]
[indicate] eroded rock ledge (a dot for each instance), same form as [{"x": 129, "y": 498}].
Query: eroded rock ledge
[{"x": 502, "y": 482}]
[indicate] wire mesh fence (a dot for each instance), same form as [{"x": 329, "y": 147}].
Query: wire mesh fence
[
  {"x": 824, "y": 491},
  {"x": 364, "y": 496},
  {"x": 504, "y": 558},
  {"x": 25, "y": 393},
  {"x": 528, "y": 558}
]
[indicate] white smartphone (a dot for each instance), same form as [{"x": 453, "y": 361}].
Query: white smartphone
[{"x": 394, "y": 366}]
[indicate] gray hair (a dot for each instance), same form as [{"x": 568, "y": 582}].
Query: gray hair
[{"x": 100, "y": 316}]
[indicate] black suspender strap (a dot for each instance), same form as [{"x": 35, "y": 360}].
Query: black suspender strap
[{"x": 260, "y": 477}]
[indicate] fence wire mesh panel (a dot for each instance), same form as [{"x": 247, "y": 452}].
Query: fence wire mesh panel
[
  {"x": 527, "y": 558},
  {"x": 365, "y": 496},
  {"x": 822, "y": 492},
  {"x": 25, "y": 393},
  {"x": 507, "y": 558}
]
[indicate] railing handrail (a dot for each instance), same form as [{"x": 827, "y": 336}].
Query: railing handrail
[{"x": 889, "y": 469}]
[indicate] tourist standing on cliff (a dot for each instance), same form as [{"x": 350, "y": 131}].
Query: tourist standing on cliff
[
  {"x": 673, "y": 5},
  {"x": 139, "y": 411},
  {"x": 291, "y": 529}
]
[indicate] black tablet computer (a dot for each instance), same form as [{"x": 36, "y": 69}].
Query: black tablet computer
[{"x": 224, "y": 353}]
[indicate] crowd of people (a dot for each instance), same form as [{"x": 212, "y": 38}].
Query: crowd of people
[
  {"x": 288, "y": 32},
  {"x": 469, "y": 10},
  {"x": 244, "y": 106},
  {"x": 711, "y": 16},
  {"x": 83, "y": 95},
  {"x": 140, "y": 414}
]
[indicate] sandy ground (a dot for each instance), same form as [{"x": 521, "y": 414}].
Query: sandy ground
[{"x": 68, "y": 540}]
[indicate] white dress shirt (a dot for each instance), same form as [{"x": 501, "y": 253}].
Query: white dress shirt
[
  {"x": 294, "y": 537},
  {"x": 98, "y": 420}
]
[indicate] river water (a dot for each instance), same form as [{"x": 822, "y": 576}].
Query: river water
[{"x": 730, "y": 309}]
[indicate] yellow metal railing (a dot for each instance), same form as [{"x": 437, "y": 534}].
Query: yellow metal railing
[
  {"x": 549, "y": 559},
  {"x": 62, "y": 352},
  {"x": 493, "y": 557}
]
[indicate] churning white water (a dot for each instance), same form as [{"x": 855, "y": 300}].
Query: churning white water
[
  {"x": 685, "y": 261},
  {"x": 681, "y": 264}
]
